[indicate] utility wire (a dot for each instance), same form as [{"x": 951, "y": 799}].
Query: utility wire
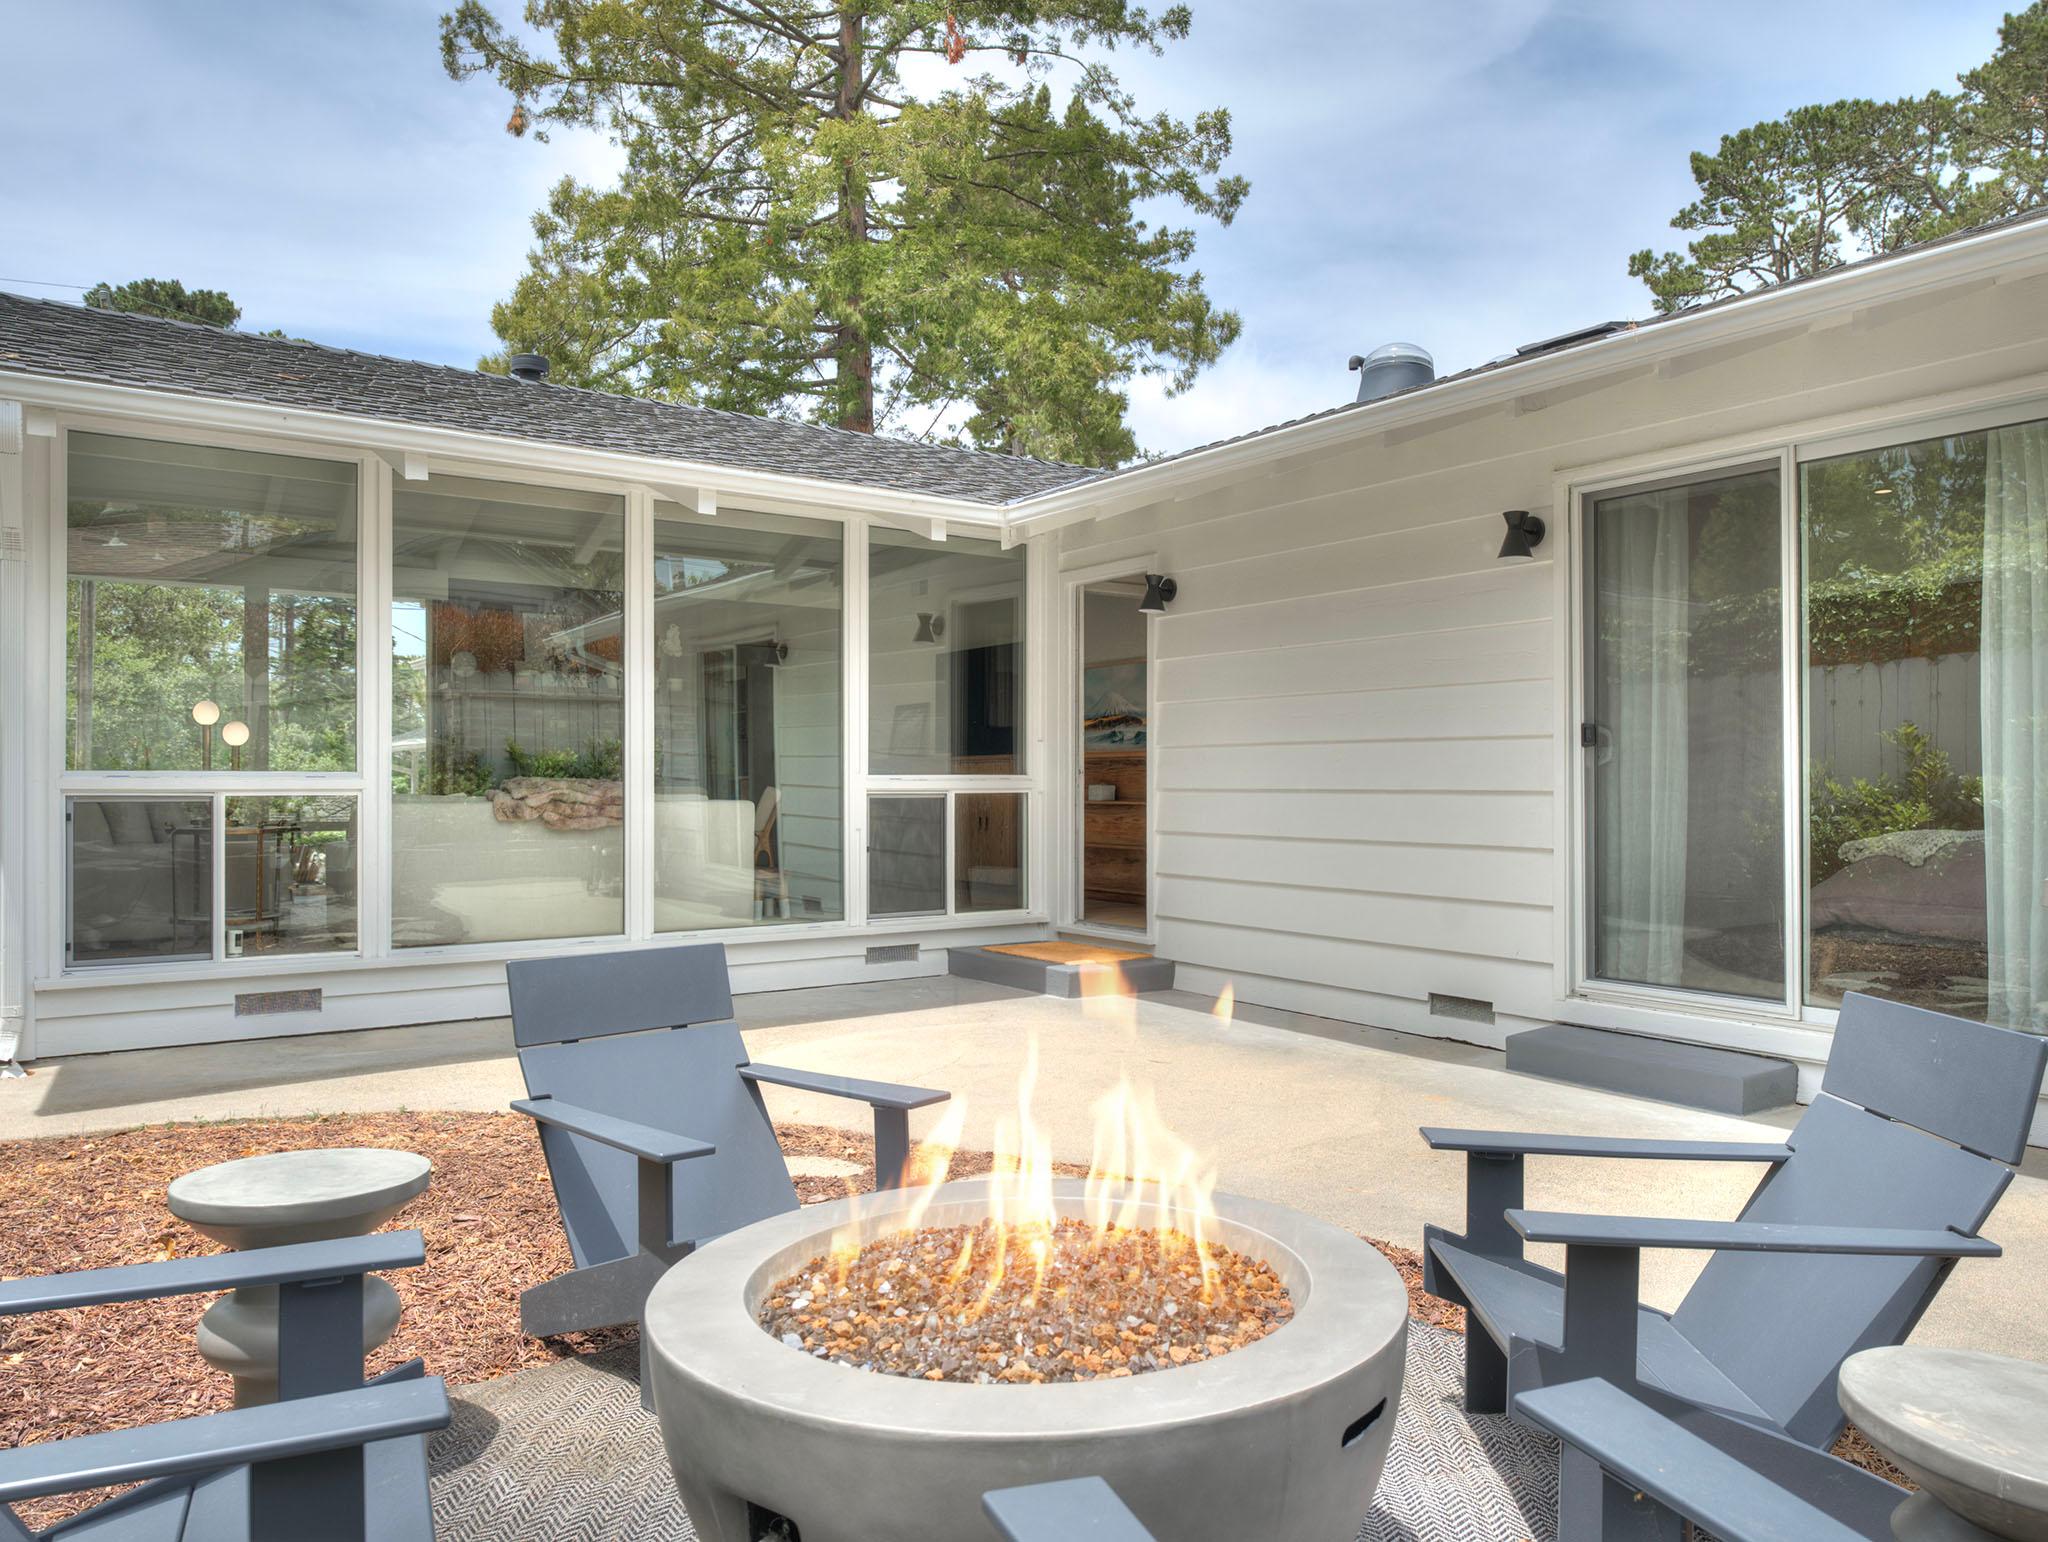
[{"x": 50, "y": 283}]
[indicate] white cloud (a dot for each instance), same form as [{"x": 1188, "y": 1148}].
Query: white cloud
[{"x": 1467, "y": 175}]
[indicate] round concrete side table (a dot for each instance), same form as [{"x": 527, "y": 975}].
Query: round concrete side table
[
  {"x": 291, "y": 1196},
  {"x": 1966, "y": 1427}
]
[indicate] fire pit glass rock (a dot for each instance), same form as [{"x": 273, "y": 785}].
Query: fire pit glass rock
[
  {"x": 1284, "y": 1436},
  {"x": 1065, "y": 1303}
]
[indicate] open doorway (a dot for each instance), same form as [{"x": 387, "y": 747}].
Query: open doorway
[{"x": 1115, "y": 700}]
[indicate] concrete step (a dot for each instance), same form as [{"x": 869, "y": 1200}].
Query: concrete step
[
  {"x": 1125, "y": 977},
  {"x": 1724, "y": 1081}
]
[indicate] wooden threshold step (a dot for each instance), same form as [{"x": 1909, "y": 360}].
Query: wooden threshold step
[{"x": 1056, "y": 969}]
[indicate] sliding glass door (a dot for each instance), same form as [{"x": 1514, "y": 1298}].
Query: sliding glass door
[
  {"x": 1919, "y": 835},
  {"x": 1685, "y": 702},
  {"x": 1927, "y": 670}
]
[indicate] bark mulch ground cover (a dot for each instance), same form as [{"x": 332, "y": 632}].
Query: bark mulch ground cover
[{"x": 491, "y": 1231}]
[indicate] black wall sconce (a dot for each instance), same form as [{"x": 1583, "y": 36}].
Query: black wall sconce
[
  {"x": 930, "y": 628},
  {"x": 1525, "y": 534},
  {"x": 1159, "y": 593}
]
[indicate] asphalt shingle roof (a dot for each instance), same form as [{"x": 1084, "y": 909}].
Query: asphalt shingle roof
[{"x": 49, "y": 337}]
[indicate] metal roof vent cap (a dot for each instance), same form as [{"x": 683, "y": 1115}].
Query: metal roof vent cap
[
  {"x": 1392, "y": 367},
  {"x": 529, "y": 367}
]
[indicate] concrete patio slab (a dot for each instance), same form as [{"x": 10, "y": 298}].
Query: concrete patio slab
[{"x": 1301, "y": 1110}]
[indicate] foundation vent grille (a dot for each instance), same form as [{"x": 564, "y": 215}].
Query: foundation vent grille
[
  {"x": 269, "y": 1003},
  {"x": 894, "y": 953},
  {"x": 1464, "y": 1008}
]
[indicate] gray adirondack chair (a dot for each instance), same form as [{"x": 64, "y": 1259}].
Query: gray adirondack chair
[
  {"x": 1666, "y": 1457},
  {"x": 1866, "y": 1206},
  {"x": 1071, "y": 1510},
  {"x": 652, "y": 1123},
  {"x": 333, "y": 1460}
]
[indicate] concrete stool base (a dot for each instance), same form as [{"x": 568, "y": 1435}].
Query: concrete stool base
[
  {"x": 284, "y": 1197},
  {"x": 238, "y": 1335}
]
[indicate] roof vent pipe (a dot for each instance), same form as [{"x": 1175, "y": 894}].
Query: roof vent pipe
[
  {"x": 529, "y": 367},
  {"x": 1392, "y": 367}
]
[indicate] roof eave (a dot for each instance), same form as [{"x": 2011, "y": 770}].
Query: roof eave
[
  {"x": 2000, "y": 256},
  {"x": 395, "y": 440}
]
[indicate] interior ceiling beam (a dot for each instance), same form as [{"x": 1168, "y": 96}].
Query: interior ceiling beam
[
  {"x": 408, "y": 465},
  {"x": 931, "y": 527},
  {"x": 699, "y": 500}
]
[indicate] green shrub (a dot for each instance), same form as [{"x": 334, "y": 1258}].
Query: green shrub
[
  {"x": 601, "y": 761},
  {"x": 449, "y": 771},
  {"x": 1928, "y": 796}
]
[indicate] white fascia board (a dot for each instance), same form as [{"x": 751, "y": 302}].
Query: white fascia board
[
  {"x": 1858, "y": 295},
  {"x": 735, "y": 486}
]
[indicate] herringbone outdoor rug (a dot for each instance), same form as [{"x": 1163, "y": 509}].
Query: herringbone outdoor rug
[{"x": 564, "y": 1453}]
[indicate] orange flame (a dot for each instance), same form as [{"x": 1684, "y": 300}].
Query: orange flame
[{"x": 1141, "y": 1174}]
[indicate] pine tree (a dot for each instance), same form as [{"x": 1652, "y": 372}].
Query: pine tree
[
  {"x": 168, "y": 298},
  {"x": 893, "y": 215},
  {"x": 1829, "y": 183}
]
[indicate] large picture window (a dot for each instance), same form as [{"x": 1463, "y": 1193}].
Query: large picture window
[
  {"x": 749, "y": 695},
  {"x": 217, "y": 809},
  {"x": 1921, "y": 818},
  {"x": 507, "y": 713},
  {"x": 211, "y": 609}
]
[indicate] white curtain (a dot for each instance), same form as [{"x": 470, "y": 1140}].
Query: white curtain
[
  {"x": 1642, "y": 560},
  {"x": 2015, "y": 721}
]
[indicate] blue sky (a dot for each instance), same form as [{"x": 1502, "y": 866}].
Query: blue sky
[{"x": 1466, "y": 174}]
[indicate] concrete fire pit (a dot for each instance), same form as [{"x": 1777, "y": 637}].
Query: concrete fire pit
[{"x": 1284, "y": 1437}]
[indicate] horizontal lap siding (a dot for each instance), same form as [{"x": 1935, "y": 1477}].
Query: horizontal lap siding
[
  {"x": 1317, "y": 859},
  {"x": 1357, "y": 706},
  {"x": 1355, "y": 734}
]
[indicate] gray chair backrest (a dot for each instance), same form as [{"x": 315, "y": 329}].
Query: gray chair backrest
[
  {"x": 590, "y": 995},
  {"x": 1967, "y": 1082},
  {"x": 646, "y": 1035},
  {"x": 1779, "y": 1325}
]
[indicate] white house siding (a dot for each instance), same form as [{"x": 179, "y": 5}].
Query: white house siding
[
  {"x": 88, "y": 1016},
  {"x": 1359, "y": 709}
]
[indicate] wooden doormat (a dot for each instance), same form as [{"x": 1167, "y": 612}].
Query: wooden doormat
[{"x": 1067, "y": 952}]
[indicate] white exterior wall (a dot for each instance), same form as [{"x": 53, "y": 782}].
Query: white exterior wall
[{"x": 1364, "y": 726}]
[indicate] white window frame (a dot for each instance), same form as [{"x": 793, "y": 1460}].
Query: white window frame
[
  {"x": 1788, "y": 1023},
  {"x": 1073, "y": 833},
  {"x": 48, "y": 785},
  {"x": 217, "y": 785},
  {"x": 1031, "y": 751},
  {"x": 645, "y": 650}
]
